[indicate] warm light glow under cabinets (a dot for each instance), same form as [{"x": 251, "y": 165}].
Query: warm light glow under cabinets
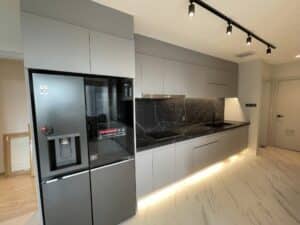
[{"x": 162, "y": 194}]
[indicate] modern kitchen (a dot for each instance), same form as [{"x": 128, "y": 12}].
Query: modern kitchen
[{"x": 128, "y": 127}]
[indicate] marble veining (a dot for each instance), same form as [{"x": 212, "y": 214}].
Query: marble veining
[{"x": 249, "y": 190}]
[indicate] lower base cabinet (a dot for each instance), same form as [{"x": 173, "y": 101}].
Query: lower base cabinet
[
  {"x": 163, "y": 166},
  {"x": 160, "y": 167}
]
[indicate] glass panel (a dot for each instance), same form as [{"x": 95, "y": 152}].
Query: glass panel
[{"x": 109, "y": 104}]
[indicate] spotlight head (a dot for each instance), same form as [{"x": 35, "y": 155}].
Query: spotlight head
[
  {"x": 229, "y": 29},
  {"x": 269, "y": 50},
  {"x": 249, "y": 40},
  {"x": 191, "y": 9}
]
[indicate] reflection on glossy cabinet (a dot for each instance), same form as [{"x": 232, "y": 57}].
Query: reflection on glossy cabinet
[
  {"x": 144, "y": 173},
  {"x": 112, "y": 55},
  {"x": 163, "y": 166}
]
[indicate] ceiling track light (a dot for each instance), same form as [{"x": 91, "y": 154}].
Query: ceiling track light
[
  {"x": 191, "y": 9},
  {"x": 269, "y": 50},
  {"x": 231, "y": 24},
  {"x": 229, "y": 29},
  {"x": 249, "y": 39}
]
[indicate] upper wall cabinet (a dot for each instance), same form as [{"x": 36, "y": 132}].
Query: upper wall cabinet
[
  {"x": 54, "y": 45},
  {"x": 150, "y": 75},
  {"x": 220, "y": 83},
  {"x": 156, "y": 75},
  {"x": 111, "y": 55}
]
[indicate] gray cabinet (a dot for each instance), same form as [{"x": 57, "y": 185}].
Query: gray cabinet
[
  {"x": 53, "y": 45},
  {"x": 144, "y": 173},
  {"x": 68, "y": 200},
  {"x": 152, "y": 74},
  {"x": 220, "y": 83},
  {"x": 184, "y": 159},
  {"x": 113, "y": 193},
  {"x": 157, "y": 75},
  {"x": 112, "y": 55},
  {"x": 163, "y": 166},
  {"x": 160, "y": 167}
]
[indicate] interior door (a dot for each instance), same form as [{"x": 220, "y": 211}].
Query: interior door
[{"x": 287, "y": 126}]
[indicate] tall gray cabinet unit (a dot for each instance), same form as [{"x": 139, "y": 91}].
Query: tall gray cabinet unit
[{"x": 81, "y": 36}]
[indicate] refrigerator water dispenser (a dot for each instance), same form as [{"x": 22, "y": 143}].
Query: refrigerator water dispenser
[{"x": 64, "y": 151}]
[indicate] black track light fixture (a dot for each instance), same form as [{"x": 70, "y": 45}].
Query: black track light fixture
[
  {"x": 249, "y": 40},
  {"x": 269, "y": 50},
  {"x": 229, "y": 29},
  {"x": 231, "y": 23},
  {"x": 191, "y": 9}
]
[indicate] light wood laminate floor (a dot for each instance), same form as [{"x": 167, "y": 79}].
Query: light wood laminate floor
[
  {"x": 17, "y": 197},
  {"x": 246, "y": 190}
]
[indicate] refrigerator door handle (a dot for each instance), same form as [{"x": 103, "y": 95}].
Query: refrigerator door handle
[
  {"x": 74, "y": 174},
  {"x": 64, "y": 177},
  {"x": 113, "y": 164}
]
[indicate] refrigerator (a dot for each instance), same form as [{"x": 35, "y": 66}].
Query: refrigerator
[{"x": 84, "y": 138}]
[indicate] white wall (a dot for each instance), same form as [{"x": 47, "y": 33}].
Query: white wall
[
  {"x": 250, "y": 84},
  {"x": 10, "y": 29},
  {"x": 13, "y": 104}
]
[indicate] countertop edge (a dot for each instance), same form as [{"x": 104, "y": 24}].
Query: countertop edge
[{"x": 185, "y": 138}]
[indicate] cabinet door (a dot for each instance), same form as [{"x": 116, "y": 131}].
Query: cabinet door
[
  {"x": 244, "y": 132},
  {"x": 144, "y": 181},
  {"x": 176, "y": 78},
  {"x": 163, "y": 166},
  {"x": 196, "y": 82},
  {"x": 221, "y": 83},
  {"x": 184, "y": 159},
  {"x": 111, "y": 55},
  {"x": 153, "y": 72},
  {"x": 54, "y": 45},
  {"x": 206, "y": 152}
]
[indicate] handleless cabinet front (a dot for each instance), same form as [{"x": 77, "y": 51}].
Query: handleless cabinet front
[
  {"x": 68, "y": 200},
  {"x": 113, "y": 193},
  {"x": 112, "y": 56}
]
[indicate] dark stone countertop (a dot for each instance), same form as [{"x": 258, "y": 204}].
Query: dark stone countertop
[{"x": 185, "y": 132}]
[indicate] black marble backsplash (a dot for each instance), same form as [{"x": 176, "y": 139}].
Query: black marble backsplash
[{"x": 162, "y": 114}]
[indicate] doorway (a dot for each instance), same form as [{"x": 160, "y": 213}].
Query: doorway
[
  {"x": 286, "y": 115},
  {"x": 18, "y": 195}
]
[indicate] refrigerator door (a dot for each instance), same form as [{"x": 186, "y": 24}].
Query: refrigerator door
[
  {"x": 67, "y": 200},
  {"x": 113, "y": 193},
  {"x": 60, "y": 124},
  {"x": 109, "y": 107}
]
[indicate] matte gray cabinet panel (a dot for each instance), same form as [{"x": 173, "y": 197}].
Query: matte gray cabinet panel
[
  {"x": 184, "y": 159},
  {"x": 144, "y": 173},
  {"x": 162, "y": 76},
  {"x": 53, "y": 45},
  {"x": 68, "y": 201},
  {"x": 111, "y": 55},
  {"x": 159, "y": 167},
  {"x": 163, "y": 166},
  {"x": 113, "y": 193}
]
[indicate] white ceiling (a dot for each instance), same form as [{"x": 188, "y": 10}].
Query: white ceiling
[{"x": 277, "y": 21}]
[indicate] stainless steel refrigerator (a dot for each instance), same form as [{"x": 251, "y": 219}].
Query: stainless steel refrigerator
[{"x": 85, "y": 147}]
